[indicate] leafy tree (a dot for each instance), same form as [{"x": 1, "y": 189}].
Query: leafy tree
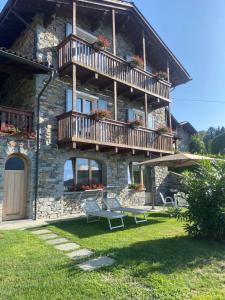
[
  {"x": 197, "y": 144},
  {"x": 205, "y": 190}
]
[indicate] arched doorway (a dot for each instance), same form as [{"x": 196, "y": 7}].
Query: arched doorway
[{"x": 15, "y": 189}]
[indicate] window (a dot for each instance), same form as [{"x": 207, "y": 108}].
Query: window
[
  {"x": 135, "y": 114},
  {"x": 84, "y": 103},
  {"x": 81, "y": 171},
  {"x": 134, "y": 175},
  {"x": 81, "y": 33},
  {"x": 151, "y": 121}
]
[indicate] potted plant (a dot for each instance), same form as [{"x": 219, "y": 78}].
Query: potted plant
[
  {"x": 163, "y": 129},
  {"x": 135, "y": 187},
  {"x": 136, "y": 124},
  {"x": 11, "y": 130},
  {"x": 93, "y": 186},
  {"x": 161, "y": 75},
  {"x": 101, "y": 114},
  {"x": 136, "y": 62},
  {"x": 102, "y": 43}
]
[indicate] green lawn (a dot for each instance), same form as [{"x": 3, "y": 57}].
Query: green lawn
[{"x": 154, "y": 261}]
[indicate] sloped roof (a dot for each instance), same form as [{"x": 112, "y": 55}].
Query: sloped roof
[{"x": 11, "y": 26}]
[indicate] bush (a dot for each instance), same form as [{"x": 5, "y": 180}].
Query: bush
[{"x": 205, "y": 189}]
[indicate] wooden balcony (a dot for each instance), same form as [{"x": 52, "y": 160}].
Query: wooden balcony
[
  {"x": 85, "y": 55},
  {"x": 21, "y": 120},
  {"x": 82, "y": 130}
]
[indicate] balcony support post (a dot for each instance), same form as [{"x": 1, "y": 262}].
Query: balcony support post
[
  {"x": 74, "y": 75},
  {"x": 74, "y": 17},
  {"x": 168, "y": 70},
  {"x": 114, "y": 53},
  {"x": 115, "y": 101},
  {"x": 144, "y": 51},
  {"x": 170, "y": 118},
  {"x": 146, "y": 111}
]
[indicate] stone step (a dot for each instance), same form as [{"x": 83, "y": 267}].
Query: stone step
[
  {"x": 67, "y": 247},
  {"x": 80, "y": 254},
  {"x": 41, "y": 231},
  {"x": 57, "y": 241},
  {"x": 97, "y": 263},
  {"x": 50, "y": 236}
]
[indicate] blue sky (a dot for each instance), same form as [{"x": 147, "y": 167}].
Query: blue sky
[{"x": 194, "y": 31}]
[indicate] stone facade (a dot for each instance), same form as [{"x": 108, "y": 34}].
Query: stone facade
[{"x": 53, "y": 202}]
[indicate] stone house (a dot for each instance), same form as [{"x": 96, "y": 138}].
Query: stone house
[
  {"x": 69, "y": 61},
  {"x": 183, "y": 131}
]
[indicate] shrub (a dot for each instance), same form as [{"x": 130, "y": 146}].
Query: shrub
[{"x": 205, "y": 189}]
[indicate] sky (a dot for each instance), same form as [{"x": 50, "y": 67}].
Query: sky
[{"x": 194, "y": 31}]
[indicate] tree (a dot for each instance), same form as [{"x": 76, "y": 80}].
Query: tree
[
  {"x": 197, "y": 144},
  {"x": 205, "y": 194}
]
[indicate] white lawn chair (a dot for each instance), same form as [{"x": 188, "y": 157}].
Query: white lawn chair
[
  {"x": 112, "y": 203},
  {"x": 93, "y": 210},
  {"x": 167, "y": 201}
]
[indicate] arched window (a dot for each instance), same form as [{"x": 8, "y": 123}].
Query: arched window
[{"x": 81, "y": 171}]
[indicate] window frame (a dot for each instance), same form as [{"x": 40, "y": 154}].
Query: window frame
[{"x": 75, "y": 171}]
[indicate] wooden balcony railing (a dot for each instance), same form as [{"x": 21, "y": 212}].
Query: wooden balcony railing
[
  {"x": 81, "y": 128},
  {"x": 76, "y": 50},
  {"x": 22, "y": 120}
]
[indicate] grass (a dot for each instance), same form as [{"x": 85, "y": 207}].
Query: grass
[{"x": 154, "y": 261}]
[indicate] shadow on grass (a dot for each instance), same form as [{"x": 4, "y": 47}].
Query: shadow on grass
[
  {"x": 82, "y": 229},
  {"x": 167, "y": 255}
]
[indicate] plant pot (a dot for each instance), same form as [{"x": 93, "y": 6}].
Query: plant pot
[
  {"x": 98, "y": 46},
  {"x": 134, "y": 126},
  {"x": 98, "y": 118},
  {"x": 133, "y": 64}
]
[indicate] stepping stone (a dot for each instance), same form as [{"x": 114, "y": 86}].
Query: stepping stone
[
  {"x": 67, "y": 247},
  {"x": 41, "y": 231},
  {"x": 79, "y": 254},
  {"x": 97, "y": 263},
  {"x": 57, "y": 241},
  {"x": 46, "y": 237}
]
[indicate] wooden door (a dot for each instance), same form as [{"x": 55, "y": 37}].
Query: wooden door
[{"x": 14, "y": 201}]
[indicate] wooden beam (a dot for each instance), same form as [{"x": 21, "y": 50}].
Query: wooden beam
[
  {"x": 144, "y": 50},
  {"x": 74, "y": 78},
  {"x": 168, "y": 70},
  {"x": 115, "y": 100},
  {"x": 74, "y": 17},
  {"x": 146, "y": 111},
  {"x": 114, "y": 30}
]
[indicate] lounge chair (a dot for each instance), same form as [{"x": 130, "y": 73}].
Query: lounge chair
[
  {"x": 112, "y": 203},
  {"x": 93, "y": 210},
  {"x": 168, "y": 201}
]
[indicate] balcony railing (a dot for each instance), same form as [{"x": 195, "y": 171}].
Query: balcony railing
[
  {"x": 20, "y": 119},
  {"x": 81, "y": 128},
  {"x": 76, "y": 50}
]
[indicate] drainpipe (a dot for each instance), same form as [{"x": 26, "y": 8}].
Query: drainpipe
[{"x": 51, "y": 77}]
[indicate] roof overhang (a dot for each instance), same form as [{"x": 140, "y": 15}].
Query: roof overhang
[{"x": 11, "y": 26}]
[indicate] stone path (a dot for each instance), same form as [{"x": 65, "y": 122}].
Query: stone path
[{"x": 64, "y": 245}]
